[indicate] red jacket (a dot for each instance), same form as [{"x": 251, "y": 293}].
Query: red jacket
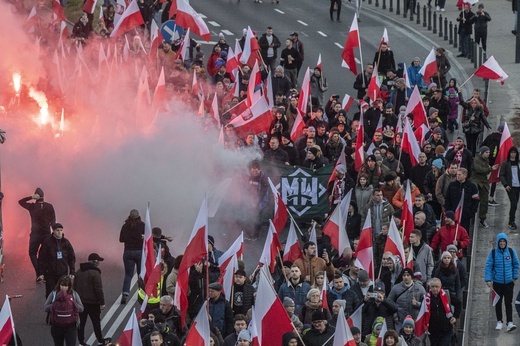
[{"x": 446, "y": 235}]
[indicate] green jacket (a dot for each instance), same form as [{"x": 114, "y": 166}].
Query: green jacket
[{"x": 481, "y": 170}]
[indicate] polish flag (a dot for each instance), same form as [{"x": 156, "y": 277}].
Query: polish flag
[
  {"x": 409, "y": 260},
  {"x": 312, "y": 234},
  {"x": 199, "y": 333},
  {"x": 494, "y": 297},
  {"x": 195, "y": 252},
  {"x": 341, "y": 161},
  {"x": 202, "y": 111},
  {"x": 323, "y": 295},
  {"x": 254, "y": 87},
  {"x": 214, "y": 110},
  {"x": 318, "y": 64},
  {"x": 280, "y": 210},
  {"x": 254, "y": 119},
  {"x": 409, "y": 144},
  {"x": 343, "y": 336},
  {"x": 335, "y": 226},
  {"x": 359, "y": 155},
  {"x": 491, "y": 70},
  {"x": 90, "y": 6},
  {"x": 394, "y": 242},
  {"x": 238, "y": 51},
  {"x": 460, "y": 206},
  {"x": 406, "y": 78},
  {"x": 374, "y": 86},
  {"x": 384, "y": 39},
  {"x": 130, "y": 19},
  {"x": 253, "y": 331},
  {"x": 422, "y": 322},
  {"x": 347, "y": 102},
  {"x": 250, "y": 54},
  {"x": 227, "y": 277},
  {"x": 268, "y": 90},
  {"x": 31, "y": 21},
  {"x": 154, "y": 277},
  {"x": 57, "y": 9},
  {"x": 234, "y": 89},
  {"x": 148, "y": 255},
  {"x": 231, "y": 63},
  {"x": 272, "y": 246},
  {"x": 6, "y": 323},
  {"x": 187, "y": 17},
  {"x": 292, "y": 250},
  {"x": 420, "y": 118},
  {"x": 364, "y": 252},
  {"x": 131, "y": 335},
  {"x": 156, "y": 39},
  {"x": 506, "y": 142},
  {"x": 270, "y": 316},
  {"x": 142, "y": 309},
  {"x": 183, "y": 50},
  {"x": 430, "y": 67},
  {"x": 381, "y": 336},
  {"x": 195, "y": 84},
  {"x": 407, "y": 219},
  {"x": 379, "y": 127},
  {"x": 159, "y": 95},
  {"x": 236, "y": 249},
  {"x": 121, "y": 6},
  {"x": 303, "y": 101},
  {"x": 353, "y": 41},
  {"x": 354, "y": 320}
]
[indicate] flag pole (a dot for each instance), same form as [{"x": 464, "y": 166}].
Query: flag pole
[
  {"x": 292, "y": 218},
  {"x": 460, "y": 86},
  {"x": 359, "y": 40}
]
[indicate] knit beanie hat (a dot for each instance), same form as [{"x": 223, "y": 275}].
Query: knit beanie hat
[
  {"x": 341, "y": 302},
  {"x": 446, "y": 254},
  {"x": 408, "y": 321},
  {"x": 483, "y": 149}
]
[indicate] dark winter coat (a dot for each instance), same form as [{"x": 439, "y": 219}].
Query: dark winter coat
[
  {"x": 88, "y": 284},
  {"x": 49, "y": 261},
  {"x": 42, "y": 215}
]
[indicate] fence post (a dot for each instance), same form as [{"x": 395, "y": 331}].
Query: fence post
[
  {"x": 434, "y": 23},
  {"x": 480, "y": 51},
  {"x": 451, "y": 33},
  {"x": 411, "y": 13},
  {"x": 370, "y": 2},
  {"x": 377, "y": 3},
  {"x": 418, "y": 14},
  {"x": 445, "y": 29},
  {"x": 429, "y": 19},
  {"x": 455, "y": 33},
  {"x": 384, "y": 5},
  {"x": 391, "y": 9},
  {"x": 424, "y": 20},
  {"x": 398, "y": 7},
  {"x": 440, "y": 25},
  {"x": 405, "y": 8}
]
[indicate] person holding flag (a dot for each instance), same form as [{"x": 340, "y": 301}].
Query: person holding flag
[
  {"x": 501, "y": 273},
  {"x": 510, "y": 179},
  {"x": 493, "y": 142},
  {"x": 451, "y": 233},
  {"x": 464, "y": 189},
  {"x": 481, "y": 170},
  {"x": 441, "y": 319}
]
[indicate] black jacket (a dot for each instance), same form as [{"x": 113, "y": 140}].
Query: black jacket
[
  {"x": 49, "y": 261},
  {"x": 264, "y": 45},
  {"x": 42, "y": 215},
  {"x": 88, "y": 284},
  {"x": 471, "y": 200},
  {"x": 132, "y": 235}
]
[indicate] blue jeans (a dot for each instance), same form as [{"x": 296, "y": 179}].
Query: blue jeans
[{"x": 131, "y": 259}]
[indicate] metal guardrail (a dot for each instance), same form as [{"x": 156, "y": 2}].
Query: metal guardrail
[{"x": 469, "y": 292}]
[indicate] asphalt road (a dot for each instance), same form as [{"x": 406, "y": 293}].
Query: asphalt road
[{"x": 311, "y": 20}]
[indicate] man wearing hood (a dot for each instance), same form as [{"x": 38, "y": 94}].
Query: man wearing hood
[
  {"x": 481, "y": 170},
  {"x": 391, "y": 272},
  {"x": 42, "y": 218},
  {"x": 510, "y": 179},
  {"x": 89, "y": 286},
  {"x": 501, "y": 273}
]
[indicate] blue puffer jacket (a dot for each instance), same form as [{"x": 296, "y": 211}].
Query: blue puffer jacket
[{"x": 502, "y": 269}]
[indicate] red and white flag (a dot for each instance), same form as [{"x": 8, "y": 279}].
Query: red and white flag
[
  {"x": 318, "y": 64},
  {"x": 254, "y": 119},
  {"x": 353, "y": 41},
  {"x": 407, "y": 218},
  {"x": 341, "y": 161},
  {"x": 6, "y": 323},
  {"x": 254, "y": 87},
  {"x": 195, "y": 252},
  {"x": 57, "y": 9},
  {"x": 32, "y": 20},
  {"x": 214, "y": 109},
  {"x": 354, "y": 320},
  {"x": 506, "y": 142},
  {"x": 148, "y": 255},
  {"x": 364, "y": 251},
  {"x": 271, "y": 318},
  {"x": 430, "y": 67},
  {"x": 494, "y": 297},
  {"x": 272, "y": 246},
  {"x": 379, "y": 127},
  {"x": 90, "y": 6},
  {"x": 130, "y": 19},
  {"x": 384, "y": 39},
  {"x": 323, "y": 293},
  {"x": 409, "y": 260},
  {"x": 187, "y": 17},
  {"x": 280, "y": 210},
  {"x": 460, "y": 206},
  {"x": 347, "y": 102},
  {"x": 394, "y": 242},
  {"x": 422, "y": 322},
  {"x": 491, "y": 70},
  {"x": 250, "y": 54},
  {"x": 420, "y": 118},
  {"x": 268, "y": 90},
  {"x": 159, "y": 95},
  {"x": 292, "y": 250},
  {"x": 142, "y": 309},
  {"x": 374, "y": 86},
  {"x": 182, "y": 53},
  {"x": 154, "y": 277},
  {"x": 409, "y": 144},
  {"x": 231, "y": 63},
  {"x": 195, "y": 84},
  {"x": 238, "y": 51},
  {"x": 131, "y": 335},
  {"x": 359, "y": 155},
  {"x": 199, "y": 333},
  {"x": 252, "y": 329},
  {"x": 156, "y": 39},
  {"x": 406, "y": 78},
  {"x": 227, "y": 277},
  {"x": 380, "y": 337},
  {"x": 312, "y": 233},
  {"x": 343, "y": 336},
  {"x": 303, "y": 101},
  {"x": 236, "y": 249},
  {"x": 335, "y": 226}
]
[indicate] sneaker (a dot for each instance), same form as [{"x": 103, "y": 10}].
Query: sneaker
[
  {"x": 40, "y": 279},
  {"x": 499, "y": 325},
  {"x": 123, "y": 299},
  {"x": 484, "y": 224},
  {"x": 443, "y": 10},
  {"x": 105, "y": 342},
  {"x": 493, "y": 203},
  {"x": 512, "y": 225},
  {"x": 510, "y": 327}
]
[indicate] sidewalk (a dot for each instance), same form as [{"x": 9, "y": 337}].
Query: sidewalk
[{"x": 504, "y": 105}]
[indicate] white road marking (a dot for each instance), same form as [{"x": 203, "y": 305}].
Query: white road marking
[
  {"x": 227, "y": 32},
  {"x": 302, "y": 22},
  {"x": 213, "y": 23},
  {"x": 279, "y": 11},
  {"x": 322, "y": 33},
  {"x": 202, "y": 16},
  {"x": 337, "y": 44}
]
